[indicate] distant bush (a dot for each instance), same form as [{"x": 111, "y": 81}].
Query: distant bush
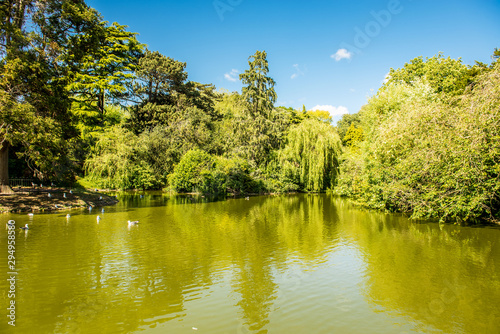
[
  {"x": 115, "y": 162},
  {"x": 201, "y": 172}
]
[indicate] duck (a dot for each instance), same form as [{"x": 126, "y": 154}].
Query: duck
[
  {"x": 90, "y": 207},
  {"x": 68, "y": 216},
  {"x": 98, "y": 218},
  {"x": 50, "y": 195},
  {"x": 135, "y": 222},
  {"x": 25, "y": 227},
  {"x": 102, "y": 210},
  {"x": 64, "y": 195}
]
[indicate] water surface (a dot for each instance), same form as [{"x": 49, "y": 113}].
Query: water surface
[{"x": 281, "y": 264}]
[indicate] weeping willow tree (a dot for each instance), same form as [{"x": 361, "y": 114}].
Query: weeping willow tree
[
  {"x": 117, "y": 163},
  {"x": 310, "y": 157}
]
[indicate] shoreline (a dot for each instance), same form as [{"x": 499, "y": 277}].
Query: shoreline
[{"x": 52, "y": 199}]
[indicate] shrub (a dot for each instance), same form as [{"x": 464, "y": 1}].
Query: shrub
[{"x": 428, "y": 157}]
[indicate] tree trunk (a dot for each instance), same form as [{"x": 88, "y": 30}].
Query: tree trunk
[{"x": 4, "y": 169}]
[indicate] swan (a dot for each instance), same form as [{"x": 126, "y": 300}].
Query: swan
[{"x": 135, "y": 222}]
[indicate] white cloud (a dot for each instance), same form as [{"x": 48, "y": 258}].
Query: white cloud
[
  {"x": 341, "y": 54},
  {"x": 232, "y": 76},
  {"x": 298, "y": 71},
  {"x": 334, "y": 111}
]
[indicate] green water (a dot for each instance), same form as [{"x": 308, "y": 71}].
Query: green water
[{"x": 284, "y": 264}]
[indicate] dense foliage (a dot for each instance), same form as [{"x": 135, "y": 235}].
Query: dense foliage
[
  {"x": 309, "y": 158},
  {"x": 82, "y": 98},
  {"x": 430, "y": 150}
]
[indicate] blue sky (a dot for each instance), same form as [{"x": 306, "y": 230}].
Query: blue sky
[{"x": 327, "y": 53}]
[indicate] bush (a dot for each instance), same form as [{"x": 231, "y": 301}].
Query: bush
[
  {"x": 430, "y": 157},
  {"x": 201, "y": 172},
  {"x": 114, "y": 162},
  {"x": 192, "y": 172}
]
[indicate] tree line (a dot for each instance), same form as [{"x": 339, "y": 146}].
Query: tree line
[{"x": 83, "y": 100}]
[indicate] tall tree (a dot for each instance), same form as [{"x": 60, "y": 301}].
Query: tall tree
[
  {"x": 33, "y": 79},
  {"x": 259, "y": 130},
  {"x": 259, "y": 87},
  {"x": 106, "y": 71},
  {"x": 163, "y": 94}
]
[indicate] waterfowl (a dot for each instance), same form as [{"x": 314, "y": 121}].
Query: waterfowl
[
  {"x": 71, "y": 191},
  {"x": 31, "y": 214},
  {"x": 10, "y": 223},
  {"x": 68, "y": 215},
  {"x": 98, "y": 218},
  {"x": 49, "y": 195},
  {"x": 247, "y": 198},
  {"x": 90, "y": 207},
  {"x": 25, "y": 227},
  {"x": 100, "y": 198},
  {"x": 102, "y": 210},
  {"x": 64, "y": 195},
  {"x": 135, "y": 222}
]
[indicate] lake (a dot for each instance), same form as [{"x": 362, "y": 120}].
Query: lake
[{"x": 271, "y": 264}]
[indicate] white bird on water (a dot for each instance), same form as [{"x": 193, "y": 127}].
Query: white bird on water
[
  {"x": 31, "y": 214},
  {"x": 135, "y": 222},
  {"x": 68, "y": 216},
  {"x": 25, "y": 227},
  {"x": 98, "y": 219}
]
